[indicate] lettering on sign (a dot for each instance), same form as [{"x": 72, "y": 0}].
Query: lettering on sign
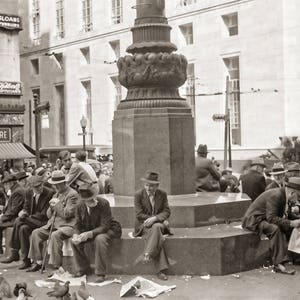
[
  {"x": 10, "y": 22},
  {"x": 4, "y": 134},
  {"x": 10, "y": 88}
]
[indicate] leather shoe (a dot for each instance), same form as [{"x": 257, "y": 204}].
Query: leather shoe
[
  {"x": 101, "y": 278},
  {"x": 34, "y": 268},
  {"x": 283, "y": 270},
  {"x": 13, "y": 257},
  {"x": 162, "y": 276},
  {"x": 26, "y": 264},
  {"x": 79, "y": 274}
]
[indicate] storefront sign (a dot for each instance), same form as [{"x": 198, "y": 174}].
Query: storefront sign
[
  {"x": 10, "y": 22},
  {"x": 10, "y": 88},
  {"x": 5, "y": 135}
]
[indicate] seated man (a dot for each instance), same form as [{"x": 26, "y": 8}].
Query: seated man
[
  {"x": 32, "y": 216},
  {"x": 61, "y": 214},
  {"x": 278, "y": 173},
  {"x": 266, "y": 215},
  {"x": 94, "y": 223},
  {"x": 14, "y": 204},
  {"x": 152, "y": 211}
]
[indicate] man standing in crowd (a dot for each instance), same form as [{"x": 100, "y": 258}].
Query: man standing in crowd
[
  {"x": 278, "y": 174},
  {"x": 254, "y": 182},
  {"x": 268, "y": 215},
  {"x": 32, "y": 216},
  {"x": 14, "y": 204},
  {"x": 152, "y": 213},
  {"x": 61, "y": 214},
  {"x": 81, "y": 173},
  {"x": 94, "y": 223},
  {"x": 22, "y": 179},
  {"x": 65, "y": 158},
  {"x": 207, "y": 176}
]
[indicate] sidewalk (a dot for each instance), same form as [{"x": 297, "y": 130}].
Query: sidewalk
[{"x": 256, "y": 284}]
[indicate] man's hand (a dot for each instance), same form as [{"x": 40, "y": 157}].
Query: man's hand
[
  {"x": 150, "y": 221},
  {"x": 22, "y": 214},
  {"x": 295, "y": 209},
  {"x": 53, "y": 202},
  {"x": 295, "y": 223}
]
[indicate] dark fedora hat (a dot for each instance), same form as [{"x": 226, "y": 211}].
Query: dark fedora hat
[
  {"x": 292, "y": 166},
  {"x": 151, "y": 177},
  {"x": 21, "y": 175},
  {"x": 202, "y": 149},
  {"x": 294, "y": 183},
  {"x": 258, "y": 162},
  {"x": 86, "y": 192},
  {"x": 9, "y": 178}
]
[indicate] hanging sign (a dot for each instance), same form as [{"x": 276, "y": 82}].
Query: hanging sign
[
  {"x": 5, "y": 135},
  {"x": 10, "y": 22},
  {"x": 10, "y": 88}
]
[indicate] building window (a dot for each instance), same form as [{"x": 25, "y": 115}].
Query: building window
[
  {"x": 36, "y": 21},
  {"x": 231, "y": 23},
  {"x": 60, "y": 101},
  {"x": 190, "y": 87},
  {"x": 60, "y": 26},
  {"x": 85, "y": 56},
  {"x": 232, "y": 64},
  {"x": 115, "y": 45},
  {"x": 117, "y": 11},
  {"x": 187, "y": 32},
  {"x": 118, "y": 90},
  {"x": 35, "y": 68},
  {"x": 87, "y": 22},
  {"x": 185, "y": 2},
  {"x": 87, "y": 102}
]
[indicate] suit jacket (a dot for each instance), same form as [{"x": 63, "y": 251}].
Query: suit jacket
[
  {"x": 143, "y": 208},
  {"x": 78, "y": 175},
  {"x": 99, "y": 220},
  {"x": 253, "y": 184},
  {"x": 269, "y": 206},
  {"x": 207, "y": 176},
  {"x": 273, "y": 185},
  {"x": 38, "y": 212},
  {"x": 14, "y": 204},
  {"x": 64, "y": 209}
]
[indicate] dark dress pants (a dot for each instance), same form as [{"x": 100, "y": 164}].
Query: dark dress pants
[
  {"x": 81, "y": 260},
  {"x": 278, "y": 241},
  {"x": 154, "y": 241}
]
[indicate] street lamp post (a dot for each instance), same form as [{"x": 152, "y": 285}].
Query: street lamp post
[{"x": 83, "y": 123}]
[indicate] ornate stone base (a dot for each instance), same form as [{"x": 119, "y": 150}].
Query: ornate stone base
[{"x": 158, "y": 139}]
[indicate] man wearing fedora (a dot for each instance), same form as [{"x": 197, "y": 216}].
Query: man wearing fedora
[
  {"x": 14, "y": 204},
  {"x": 278, "y": 172},
  {"x": 61, "y": 214},
  {"x": 268, "y": 215},
  {"x": 254, "y": 182},
  {"x": 32, "y": 216},
  {"x": 293, "y": 170},
  {"x": 152, "y": 213},
  {"x": 45, "y": 174},
  {"x": 207, "y": 176},
  {"x": 94, "y": 224},
  {"x": 22, "y": 179}
]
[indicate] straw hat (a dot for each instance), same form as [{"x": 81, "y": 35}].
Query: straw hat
[
  {"x": 151, "y": 177},
  {"x": 57, "y": 177}
]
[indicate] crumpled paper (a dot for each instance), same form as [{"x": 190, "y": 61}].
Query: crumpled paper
[
  {"x": 104, "y": 283},
  {"x": 143, "y": 287}
]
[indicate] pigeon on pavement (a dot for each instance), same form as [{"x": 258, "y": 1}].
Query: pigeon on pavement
[
  {"x": 83, "y": 292},
  {"x": 59, "y": 291}
]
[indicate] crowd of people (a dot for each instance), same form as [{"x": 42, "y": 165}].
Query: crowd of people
[{"x": 47, "y": 207}]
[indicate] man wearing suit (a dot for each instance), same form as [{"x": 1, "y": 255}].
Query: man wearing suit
[
  {"x": 152, "y": 212},
  {"x": 32, "y": 216},
  {"x": 207, "y": 176},
  {"x": 14, "y": 203},
  {"x": 278, "y": 172},
  {"x": 82, "y": 173},
  {"x": 61, "y": 214},
  {"x": 254, "y": 182},
  {"x": 94, "y": 224},
  {"x": 268, "y": 215}
]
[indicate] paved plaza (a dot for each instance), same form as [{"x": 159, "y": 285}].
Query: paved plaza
[{"x": 256, "y": 284}]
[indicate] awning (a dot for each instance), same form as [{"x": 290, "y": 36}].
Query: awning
[{"x": 14, "y": 151}]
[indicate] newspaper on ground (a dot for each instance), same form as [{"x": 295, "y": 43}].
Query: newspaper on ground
[
  {"x": 104, "y": 283},
  {"x": 142, "y": 287}
]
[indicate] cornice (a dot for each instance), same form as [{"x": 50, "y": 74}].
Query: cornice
[{"x": 12, "y": 108}]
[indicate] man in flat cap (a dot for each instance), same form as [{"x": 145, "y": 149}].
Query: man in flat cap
[
  {"x": 207, "y": 176},
  {"x": 61, "y": 214},
  {"x": 94, "y": 224},
  {"x": 152, "y": 213},
  {"x": 14, "y": 204},
  {"x": 254, "y": 182},
  {"x": 268, "y": 215},
  {"x": 32, "y": 216}
]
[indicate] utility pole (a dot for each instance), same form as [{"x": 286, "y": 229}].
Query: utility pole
[{"x": 38, "y": 108}]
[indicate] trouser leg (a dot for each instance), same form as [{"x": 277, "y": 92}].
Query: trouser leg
[
  {"x": 15, "y": 241},
  {"x": 36, "y": 246},
  {"x": 56, "y": 243},
  {"x": 80, "y": 258},
  {"x": 278, "y": 242},
  {"x": 24, "y": 238},
  {"x": 102, "y": 242}
]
